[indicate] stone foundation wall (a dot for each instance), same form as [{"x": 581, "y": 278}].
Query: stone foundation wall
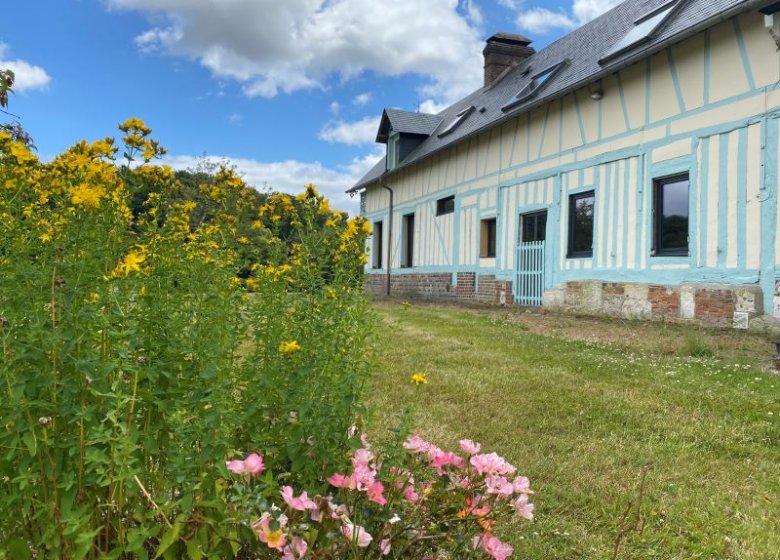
[
  {"x": 709, "y": 304},
  {"x": 469, "y": 287}
]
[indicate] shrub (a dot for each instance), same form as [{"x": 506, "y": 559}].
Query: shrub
[
  {"x": 435, "y": 504},
  {"x": 130, "y": 348}
]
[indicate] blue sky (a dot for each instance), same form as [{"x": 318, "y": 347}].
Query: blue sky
[{"x": 288, "y": 91}]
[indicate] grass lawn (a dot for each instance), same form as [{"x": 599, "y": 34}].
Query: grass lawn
[{"x": 582, "y": 405}]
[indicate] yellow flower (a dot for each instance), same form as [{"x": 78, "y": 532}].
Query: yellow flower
[
  {"x": 289, "y": 347},
  {"x": 21, "y": 153},
  {"x": 419, "y": 378},
  {"x": 87, "y": 196},
  {"x": 93, "y": 297},
  {"x": 244, "y": 240},
  {"x": 130, "y": 263},
  {"x": 252, "y": 284}
]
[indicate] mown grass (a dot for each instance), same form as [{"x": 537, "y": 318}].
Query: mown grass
[{"x": 583, "y": 414}]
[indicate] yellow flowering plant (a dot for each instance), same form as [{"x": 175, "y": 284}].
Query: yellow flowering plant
[{"x": 149, "y": 327}]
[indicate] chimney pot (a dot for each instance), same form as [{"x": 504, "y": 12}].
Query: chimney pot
[{"x": 502, "y": 51}]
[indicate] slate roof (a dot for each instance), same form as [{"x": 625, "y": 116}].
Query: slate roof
[
  {"x": 582, "y": 48},
  {"x": 407, "y": 122}
]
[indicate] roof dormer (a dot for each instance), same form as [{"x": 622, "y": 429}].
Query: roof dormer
[{"x": 403, "y": 131}]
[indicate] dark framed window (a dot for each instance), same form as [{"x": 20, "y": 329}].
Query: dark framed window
[
  {"x": 407, "y": 238},
  {"x": 670, "y": 216},
  {"x": 487, "y": 238},
  {"x": 376, "y": 250},
  {"x": 581, "y": 207},
  {"x": 445, "y": 205},
  {"x": 533, "y": 227},
  {"x": 393, "y": 146}
]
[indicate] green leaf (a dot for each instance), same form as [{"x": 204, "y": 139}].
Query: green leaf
[
  {"x": 31, "y": 443},
  {"x": 170, "y": 537},
  {"x": 193, "y": 550},
  {"x": 18, "y": 549}
]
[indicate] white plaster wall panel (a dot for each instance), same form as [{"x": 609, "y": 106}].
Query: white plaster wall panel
[
  {"x": 443, "y": 225},
  {"x": 634, "y": 81},
  {"x": 469, "y": 200},
  {"x": 664, "y": 102},
  {"x": 753, "y": 203},
  {"x": 510, "y": 219},
  {"x": 468, "y": 159},
  {"x": 589, "y": 113},
  {"x": 672, "y": 150},
  {"x": 493, "y": 156},
  {"x": 644, "y": 212},
  {"x": 601, "y": 210},
  {"x": 711, "y": 213},
  {"x": 732, "y": 206},
  {"x": 573, "y": 178},
  {"x": 422, "y": 249},
  {"x": 588, "y": 176},
  {"x": 377, "y": 199},
  {"x": 548, "y": 192},
  {"x": 738, "y": 110},
  {"x": 572, "y": 134},
  {"x": 670, "y": 266},
  {"x": 535, "y": 133},
  {"x": 520, "y": 140},
  {"x": 446, "y": 163},
  {"x": 507, "y": 137},
  {"x": 564, "y": 213},
  {"x": 620, "y": 237},
  {"x": 610, "y": 181},
  {"x": 727, "y": 76},
  {"x": 701, "y": 174},
  {"x": 491, "y": 201},
  {"x": 551, "y": 138},
  {"x": 632, "y": 223},
  {"x": 396, "y": 256},
  {"x": 754, "y": 209},
  {"x": 688, "y": 59},
  {"x": 468, "y": 236},
  {"x": 613, "y": 120},
  {"x": 761, "y": 50}
]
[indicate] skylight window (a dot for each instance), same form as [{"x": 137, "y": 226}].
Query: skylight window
[
  {"x": 537, "y": 82},
  {"x": 459, "y": 118},
  {"x": 643, "y": 29}
]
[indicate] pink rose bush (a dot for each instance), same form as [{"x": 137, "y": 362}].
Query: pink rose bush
[{"x": 432, "y": 502}]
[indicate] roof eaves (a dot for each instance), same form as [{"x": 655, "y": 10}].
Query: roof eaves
[{"x": 607, "y": 69}]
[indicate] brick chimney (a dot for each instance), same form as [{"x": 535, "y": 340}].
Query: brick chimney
[{"x": 504, "y": 50}]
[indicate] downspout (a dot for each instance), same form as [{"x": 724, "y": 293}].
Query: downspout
[{"x": 389, "y": 233}]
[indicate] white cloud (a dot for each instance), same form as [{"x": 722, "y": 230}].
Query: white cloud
[
  {"x": 473, "y": 13},
  {"x": 235, "y": 118},
  {"x": 362, "y": 99},
  {"x": 271, "y": 46},
  {"x": 353, "y": 133},
  {"x": 511, "y": 4},
  {"x": 291, "y": 176},
  {"x": 543, "y": 20},
  {"x": 335, "y": 107},
  {"x": 26, "y": 76},
  {"x": 430, "y": 106}
]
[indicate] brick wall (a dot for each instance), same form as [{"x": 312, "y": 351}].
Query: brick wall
[
  {"x": 710, "y": 304},
  {"x": 664, "y": 301},
  {"x": 715, "y": 306},
  {"x": 469, "y": 287}
]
